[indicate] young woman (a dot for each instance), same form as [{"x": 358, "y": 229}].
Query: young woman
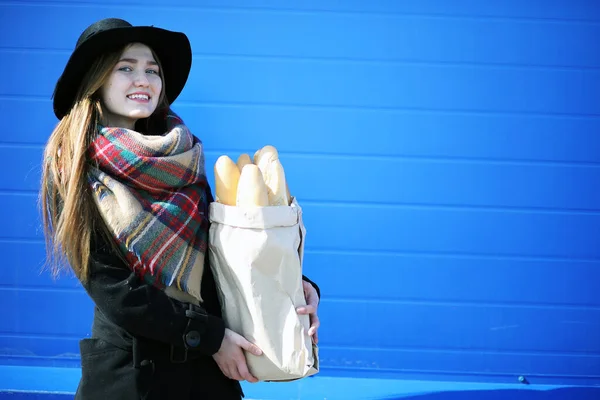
[{"x": 125, "y": 205}]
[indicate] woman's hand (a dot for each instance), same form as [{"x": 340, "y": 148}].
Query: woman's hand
[
  {"x": 312, "y": 303},
  {"x": 230, "y": 357}
]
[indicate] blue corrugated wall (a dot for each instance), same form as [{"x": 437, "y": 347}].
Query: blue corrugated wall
[{"x": 446, "y": 154}]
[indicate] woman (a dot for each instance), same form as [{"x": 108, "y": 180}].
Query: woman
[{"x": 125, "y": 204}]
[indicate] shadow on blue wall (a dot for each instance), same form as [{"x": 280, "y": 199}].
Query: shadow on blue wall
[{"x": 583, "y": 393}]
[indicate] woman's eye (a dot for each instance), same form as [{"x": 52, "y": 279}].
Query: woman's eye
[
  {"x": 126, "y": 69},
  {"x": 151, "y": 71}
]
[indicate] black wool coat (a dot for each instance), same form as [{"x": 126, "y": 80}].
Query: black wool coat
[{"x": 146, "y": 345}]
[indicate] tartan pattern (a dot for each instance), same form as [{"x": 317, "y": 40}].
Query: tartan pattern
[{"x": 152, "y": 193}]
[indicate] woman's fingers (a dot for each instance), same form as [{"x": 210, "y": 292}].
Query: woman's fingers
[
  {"x": 311, "y": 298},
  {"x": 243, "y": 371},
  {"x": 310, "y": 294},
  {"x": 308, "y": 309},
  {"x": 241, "y": 367},
  {"x": 312, "y": 303},
  {"x": 227, "y": 371},
  {"x": 231, "y": 358},
  {"x": 246, "y": 345},
  {"x": 314, "y": 324}
]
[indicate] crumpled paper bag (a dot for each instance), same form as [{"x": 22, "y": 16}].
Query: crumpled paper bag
[{"x": 256, "y": 258}]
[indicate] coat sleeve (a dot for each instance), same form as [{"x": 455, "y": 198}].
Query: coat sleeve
[{"x": 146, "y": 311}]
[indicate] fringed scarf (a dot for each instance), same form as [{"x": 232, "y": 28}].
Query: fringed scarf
[{"x": 151, "y": 192}]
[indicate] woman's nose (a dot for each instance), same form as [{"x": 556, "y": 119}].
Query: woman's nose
[{"x": 141, "y": 80}]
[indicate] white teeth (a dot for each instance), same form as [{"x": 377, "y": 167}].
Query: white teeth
[{"x": 138, "y": 96}]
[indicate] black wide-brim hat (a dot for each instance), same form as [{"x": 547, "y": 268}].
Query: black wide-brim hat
[{"x": 172, "y": 49}]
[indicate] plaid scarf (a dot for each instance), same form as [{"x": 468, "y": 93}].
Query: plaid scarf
[{"x": 152, "y": 193}]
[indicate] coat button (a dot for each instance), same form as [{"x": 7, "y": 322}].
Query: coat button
[
  {"x": 145, "y": 363},
  {"x": 192, "y": 338}
]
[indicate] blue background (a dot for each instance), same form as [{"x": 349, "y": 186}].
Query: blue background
[{"x": 446, "y": 155}]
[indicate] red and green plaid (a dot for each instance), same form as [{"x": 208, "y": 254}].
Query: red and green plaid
[{"x": 152, "y": 192}]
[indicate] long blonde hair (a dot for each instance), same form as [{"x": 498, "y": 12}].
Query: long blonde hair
[{"x": 69, "y": 214}]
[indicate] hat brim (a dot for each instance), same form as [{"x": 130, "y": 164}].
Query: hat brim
[{"x": 172, "y": 49}]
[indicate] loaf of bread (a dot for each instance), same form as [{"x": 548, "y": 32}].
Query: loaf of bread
[
  {"x": 265, "y": 156},
  {"x": 227, "y": 176},
  {"x": 243, "y": 160},
  {"x": 256, "y": 155},
  {"x": 267, "y": 159},
  {"x": 252, "y": 191},
  {"x": 259, "y": 181},
  {"x": 276, "y": 184}
]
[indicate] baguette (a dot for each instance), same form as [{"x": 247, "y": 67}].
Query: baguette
[
  {"x": 227, "y": 176},
  {"x": 256, "y": 155},
  {"x": 265, "y": 157},
  {"x": 252, "y": 191},
  {"x": 243, "y": 160},
  {"x": 276, "y": 184}
]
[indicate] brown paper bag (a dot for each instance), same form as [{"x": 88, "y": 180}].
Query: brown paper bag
[{"x": 256, "y": 257}]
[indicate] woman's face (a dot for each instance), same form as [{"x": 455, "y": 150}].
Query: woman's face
[{"x": 133, "y": 88}]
